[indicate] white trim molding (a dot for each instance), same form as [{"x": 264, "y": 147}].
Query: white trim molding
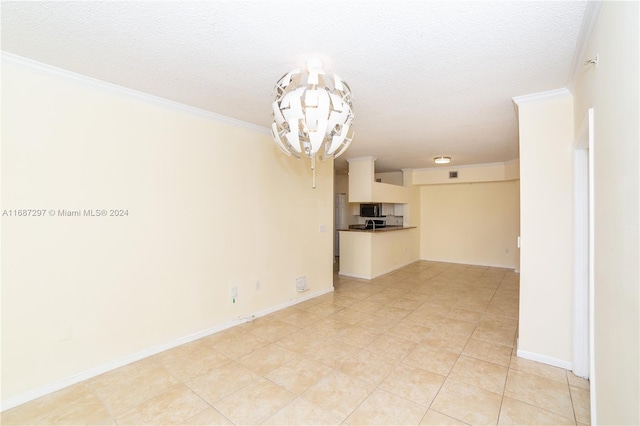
[
  {"x": 129, "y": 93},
  {"x": 592, "y": 263},
  {"x": 387, "y": 271},
  {"x": 346, "y": 274},
  {"x": 93, "y": 372},
  {"x": 541, "y": 96},
  {"x": 544, "y": 359},
  {"x": 458, "y": 262},
  {"x": 583, "y": 246}
]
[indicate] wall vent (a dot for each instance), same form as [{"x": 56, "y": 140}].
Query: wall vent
[{"x": 453, "y": 175}]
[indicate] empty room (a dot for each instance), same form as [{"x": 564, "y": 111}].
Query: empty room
[{"x": 320, "y": 213}]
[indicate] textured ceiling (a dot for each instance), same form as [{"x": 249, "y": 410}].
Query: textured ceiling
[{"x": 429, "y": 78}]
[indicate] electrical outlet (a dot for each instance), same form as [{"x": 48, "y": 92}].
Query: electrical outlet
[
  {"x": 301, "y": 284},
  {"x": 258, "y": 285}
]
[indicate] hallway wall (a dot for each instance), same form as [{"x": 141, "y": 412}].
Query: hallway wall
[{"x": 612, "y": 90}]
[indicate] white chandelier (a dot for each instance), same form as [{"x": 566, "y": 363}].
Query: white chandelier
[{"x": 312, "y": 113}]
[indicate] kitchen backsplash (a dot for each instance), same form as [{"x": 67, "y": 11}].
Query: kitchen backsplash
[
  {"x": 394, "y": 220},
  {"x": 390, "y": 220}
]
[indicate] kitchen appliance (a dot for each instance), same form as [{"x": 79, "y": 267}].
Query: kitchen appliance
[
  {"x": 374, "y": 224},
  {"x": 371, "y": 210}
]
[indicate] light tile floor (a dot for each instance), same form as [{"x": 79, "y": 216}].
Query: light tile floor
[{"x": 431, "y": 344}]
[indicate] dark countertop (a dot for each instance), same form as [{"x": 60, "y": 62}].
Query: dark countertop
[{"x": 360, "y": 228}]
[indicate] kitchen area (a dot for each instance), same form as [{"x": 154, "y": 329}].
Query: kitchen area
[{"x": 374, "y": 232}]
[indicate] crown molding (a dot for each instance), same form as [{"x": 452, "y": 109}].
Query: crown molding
[
  {"x": 541, "y": 96},
  {"x": 128, "y": 93}
]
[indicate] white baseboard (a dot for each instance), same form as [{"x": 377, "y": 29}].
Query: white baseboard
[
  {"x": 292, "y": 302},
  {"x": 544, "y": 359},
  {"x": 96, "y": 371},
  {"x": 459, "y": 262},
  {"x": 395, "y": 268},
  {"x": 347, "y": 274}
]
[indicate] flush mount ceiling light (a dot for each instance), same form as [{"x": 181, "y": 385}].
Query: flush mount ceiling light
[
  {"x": 312, "y": 113},
  {"x": 442, "y": 160}
]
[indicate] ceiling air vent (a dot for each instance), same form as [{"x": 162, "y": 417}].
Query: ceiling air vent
[{"x": 453, "y": 175}]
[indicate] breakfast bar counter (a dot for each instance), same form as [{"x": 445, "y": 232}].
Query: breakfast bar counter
[
  {"x": 369, "y": 253},
  {"x": 361, "y": 228}
]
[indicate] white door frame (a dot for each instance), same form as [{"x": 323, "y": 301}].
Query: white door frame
[
  {"x": 580, "y": 340},
  {"x": 583, "y": 277}
]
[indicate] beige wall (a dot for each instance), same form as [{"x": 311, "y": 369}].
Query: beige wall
[
  {"x": 473, "y": 223},
  {"x": 361, "y": 172},
  {"x": 393, "y": 178},
  {"x": 411, "y": 210},
  {"x": 612, "y": 90},
  {"x": 546, "y": 227},
  {"x": 491, "y": 172},
  {"x": 341, "y": 183},
  {"x": 211, "y": 205},
  {"x": 341, "y": 186},
  {"x": 364, "y": 189},
  {"x": 389, "y": 193}
]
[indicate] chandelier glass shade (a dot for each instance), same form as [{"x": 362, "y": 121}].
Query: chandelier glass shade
[{"x": 312, "y": 114}]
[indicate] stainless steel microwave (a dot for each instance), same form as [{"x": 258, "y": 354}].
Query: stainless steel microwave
[{"x": 371, "y": 210}]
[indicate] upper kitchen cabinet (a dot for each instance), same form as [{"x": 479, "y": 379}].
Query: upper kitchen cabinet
[{"x": 364, "y": 189}]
